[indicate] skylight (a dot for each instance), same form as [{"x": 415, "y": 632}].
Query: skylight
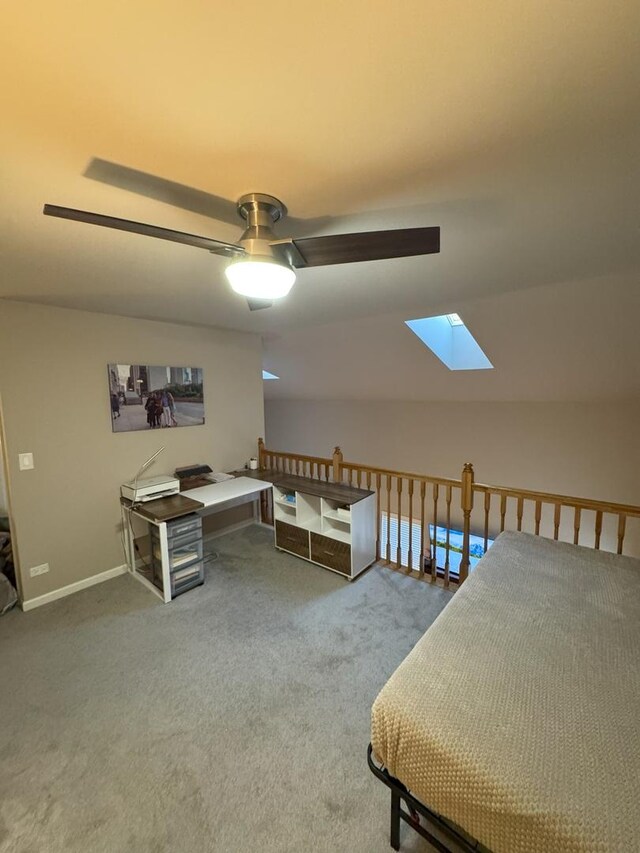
[
  {"x": 267, "y": 375},
  {"x": 449, "y": 339}
]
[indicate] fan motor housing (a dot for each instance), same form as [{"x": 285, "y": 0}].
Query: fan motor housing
[{"x": 260, "y": 211}]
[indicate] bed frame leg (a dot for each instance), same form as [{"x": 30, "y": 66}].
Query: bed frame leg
[{"x": 394, "y": 838}]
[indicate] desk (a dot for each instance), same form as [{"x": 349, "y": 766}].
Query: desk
[{"x": 203, "y": 500}]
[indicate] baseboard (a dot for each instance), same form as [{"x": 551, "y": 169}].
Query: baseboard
[{"x": 32, "y": 603}]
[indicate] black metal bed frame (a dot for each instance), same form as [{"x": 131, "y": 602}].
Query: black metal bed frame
[{"x": 399, "y": 793}]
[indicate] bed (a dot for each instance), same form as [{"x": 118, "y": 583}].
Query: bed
[{"x": 514, "y": 724}]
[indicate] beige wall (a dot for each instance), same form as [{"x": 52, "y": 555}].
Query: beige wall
[
  {"x": 588, "y": 450},
  {"x": 54, "y": 393}
]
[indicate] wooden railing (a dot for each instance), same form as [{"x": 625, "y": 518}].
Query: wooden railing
[
  {"x": 413, "y": 508},
  {"x": 314, "y": 467},
  {"x": 565, "y": 516}
]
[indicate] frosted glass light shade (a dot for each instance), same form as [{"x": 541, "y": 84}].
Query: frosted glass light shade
[{"x": 260, "y": 279}]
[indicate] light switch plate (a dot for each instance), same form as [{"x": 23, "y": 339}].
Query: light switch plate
[{"x": 25, "y": 461}]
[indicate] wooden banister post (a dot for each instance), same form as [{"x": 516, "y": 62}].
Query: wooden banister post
[
  {"x": 466, "y": 502},
  {"x": 337, "y": 465},
  {"x": 261, "y": 460}
]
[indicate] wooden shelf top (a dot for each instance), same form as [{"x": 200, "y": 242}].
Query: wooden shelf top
[
  {"x": 331, "y": 491},
  {"x": 165, "y": 509}
]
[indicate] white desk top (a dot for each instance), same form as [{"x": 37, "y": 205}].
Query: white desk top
[{"x": 227, "y": 490}]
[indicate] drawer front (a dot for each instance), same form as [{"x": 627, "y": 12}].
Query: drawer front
[
  {"x": 181, "y": 526},
  {"x": 177, "y": 542},
  {"x": 332, "y": 553},
  {"x": 292, "y": 539}
]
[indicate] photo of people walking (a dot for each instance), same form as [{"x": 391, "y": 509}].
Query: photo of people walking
[
  {"x": 154, "y": 397},
  {"x": 160, "y": 407}
]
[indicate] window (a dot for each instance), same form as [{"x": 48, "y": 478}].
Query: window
[
  {"x": 476, "y": 544},
  {"x": 449, "y": 339}
]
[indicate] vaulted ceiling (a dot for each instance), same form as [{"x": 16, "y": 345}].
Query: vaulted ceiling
[{"x": 512, "y": 125}]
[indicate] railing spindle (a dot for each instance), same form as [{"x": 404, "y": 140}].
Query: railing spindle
[
  {"x": 576, "y": 526},
  {"x": 556, "y": 520},
  {"x": 410, "y": 551},
  {"x": 388, "y": 518},
  {"x": 399, "y": 516},
  {"x": 423, "y": 489},
  {"x": 622, "y": 523},
  {"x": 519, "y": 512},
  {"x": 487, "y": 507},
  {"x": 538, "y": 516},
  {"x": 378, "y": 516},
  {"x": 434, "y": 561},
  {"x": 598, "y": 529},
  {"x": 446, "y": 561},
  {"x": 503, "y": 511}
]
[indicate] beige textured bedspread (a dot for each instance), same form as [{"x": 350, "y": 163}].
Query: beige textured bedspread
[{"x": 517, "y": 715}]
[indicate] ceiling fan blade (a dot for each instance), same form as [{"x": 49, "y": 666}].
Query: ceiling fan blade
[
  {"x": 161, "y": 189},
  {"x": 365, "y": 246},
  {"x": 184, "y": 196},
  {"x": 215, "y": 246},
  {"x": 258, "y": 304}
]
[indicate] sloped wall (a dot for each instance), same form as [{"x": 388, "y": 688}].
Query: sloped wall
[{"x": 583, "y": 449}]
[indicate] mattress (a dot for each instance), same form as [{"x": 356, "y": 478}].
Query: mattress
[{"x": 517, "y": 715}]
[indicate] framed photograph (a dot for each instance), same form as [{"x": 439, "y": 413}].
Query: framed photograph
[{"x": 144, "y": 396}]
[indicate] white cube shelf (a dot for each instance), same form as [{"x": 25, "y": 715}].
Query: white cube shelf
[{"x": 329, "y": 524}]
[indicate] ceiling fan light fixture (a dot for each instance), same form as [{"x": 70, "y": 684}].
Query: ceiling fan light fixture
[{"x": 263, "y": 279}]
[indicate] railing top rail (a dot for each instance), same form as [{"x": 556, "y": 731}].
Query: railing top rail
[
  {"x": 406, "y": 475},
  {"x": 357, "y": 466},
  {"x": 565, "y": 500},
  {"x": 321, "y": 459}
]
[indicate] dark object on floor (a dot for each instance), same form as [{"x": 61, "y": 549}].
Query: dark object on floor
[
  {"x": 8, "y": 596},
  {"x": 6, "y": 554}
]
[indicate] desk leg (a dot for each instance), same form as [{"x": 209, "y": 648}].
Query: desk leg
[
  {"x": 164, "y": 554},
  {"x": 128, "y": 540}
]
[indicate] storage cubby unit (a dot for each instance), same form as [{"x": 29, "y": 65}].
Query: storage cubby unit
[{"x": 326, "y": 523}]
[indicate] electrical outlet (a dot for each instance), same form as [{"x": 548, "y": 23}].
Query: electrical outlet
[
  {"x": 25, "y": 461},
  {"x": 39, "y": 570}
]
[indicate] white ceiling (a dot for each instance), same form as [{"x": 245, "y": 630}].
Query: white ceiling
[{"x": 512, "y": 125}]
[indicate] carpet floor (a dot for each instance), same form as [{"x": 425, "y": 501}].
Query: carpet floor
[{"x": 234, "y": 719}]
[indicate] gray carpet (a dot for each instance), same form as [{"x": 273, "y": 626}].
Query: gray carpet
[{"x": 235, "y": 718}]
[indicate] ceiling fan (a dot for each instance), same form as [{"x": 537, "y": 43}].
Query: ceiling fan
[{"x": 262, "y": 265}]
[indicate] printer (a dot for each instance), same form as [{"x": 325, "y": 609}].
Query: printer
[{"x": 150, "y": 489}]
